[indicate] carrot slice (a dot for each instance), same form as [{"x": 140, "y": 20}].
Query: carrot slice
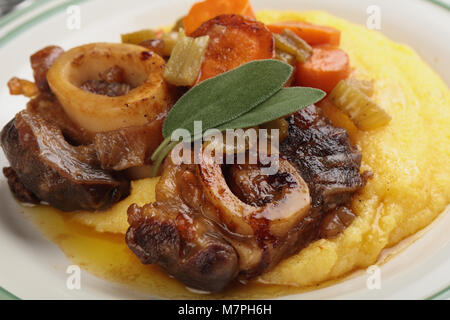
[
  {"x": 233, "y": 41},
  {"x": 324, "y": 69},
  {"x": 209, "y": 9},
  {"x": 312, "y": 34}
]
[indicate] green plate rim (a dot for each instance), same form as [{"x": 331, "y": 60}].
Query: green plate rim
[
  {"x": 440, "y": 3},
  {"x": 34, "y": 20},
  {"x": 4, "y": 294},
  {"x": 18, "y": 13}
]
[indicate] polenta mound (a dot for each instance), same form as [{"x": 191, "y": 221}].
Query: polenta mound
[{"x": 410, "y": 187}]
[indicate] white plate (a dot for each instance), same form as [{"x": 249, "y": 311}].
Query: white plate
[{"x": 33, "y": 268}]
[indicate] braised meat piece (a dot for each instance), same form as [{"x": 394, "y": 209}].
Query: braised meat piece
[
  {"x": 263, "y": 218},
  {"x": 335, "y": 221},
  {"x": 111, "y": 83},
  {"x": 23, "y": 87},
  {"x": 68, "y": 178},
  {"x": 128, "y": 147},
  {"x": 155, "y": 45},
  {"x": 256, "y": 189},
  {"x": 115, "y": 150},
  {"x": 200, "y": 261},
  {"x": 106, "y": 88},
  {"x": 41, "y": 62},
  {"x": 183, "y": 243},
  {"x": 253, "y": 188},
  {"x": 48, "y": 108},
  {"x": 325, "y": 158},
  {"x": 196, "y": 203},
  {"x": 17, "y": 188}
]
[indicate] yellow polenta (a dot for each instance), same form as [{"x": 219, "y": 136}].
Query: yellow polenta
[{"x": 410, "y": 159}]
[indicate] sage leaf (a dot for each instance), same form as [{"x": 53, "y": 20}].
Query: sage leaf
[
  {"x": 227, "y": 96},
  {"x": 284, "y": 102}
]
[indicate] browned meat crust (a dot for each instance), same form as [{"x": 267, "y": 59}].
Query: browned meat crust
[
  {"x": 247, "y": 183},
  {"x": 48, "y": 108},
  {"x": 112, "y": 83},
  {"x": 67, "y": 177},
  {"x": 41, "y": 62},
  {"x": 17, "y": 188},
  {"x": 188, "y": 247},
  {"x": 325, "y": 158},
  {"x": 110, "y": 89},
  {"x": 335, "y": 221},
  {"x": 128, "y": 147},
  {"x": 116, "y": 150}
]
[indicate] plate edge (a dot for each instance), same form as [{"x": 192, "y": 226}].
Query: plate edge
[{"x": 5, "y": 294}]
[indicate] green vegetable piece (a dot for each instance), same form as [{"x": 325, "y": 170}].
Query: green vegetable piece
[
  {"x": 138, "y": 36},
  {"x": 290, "y": 43},
  {"x": 186, "y": 59},
  {"x": 362, "y": 110}
]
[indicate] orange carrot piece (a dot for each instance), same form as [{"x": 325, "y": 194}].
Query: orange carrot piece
[
  {"x": 233, "y": 41},
  {"x": 209, "y": 9},
  {"x": 312, "y": 34},
  {"x": 324, "y": 69}
]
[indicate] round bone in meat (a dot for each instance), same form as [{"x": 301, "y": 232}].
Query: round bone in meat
[
  {"x": 148, "y": 100},
  {"x": 279, "y": 215}
]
